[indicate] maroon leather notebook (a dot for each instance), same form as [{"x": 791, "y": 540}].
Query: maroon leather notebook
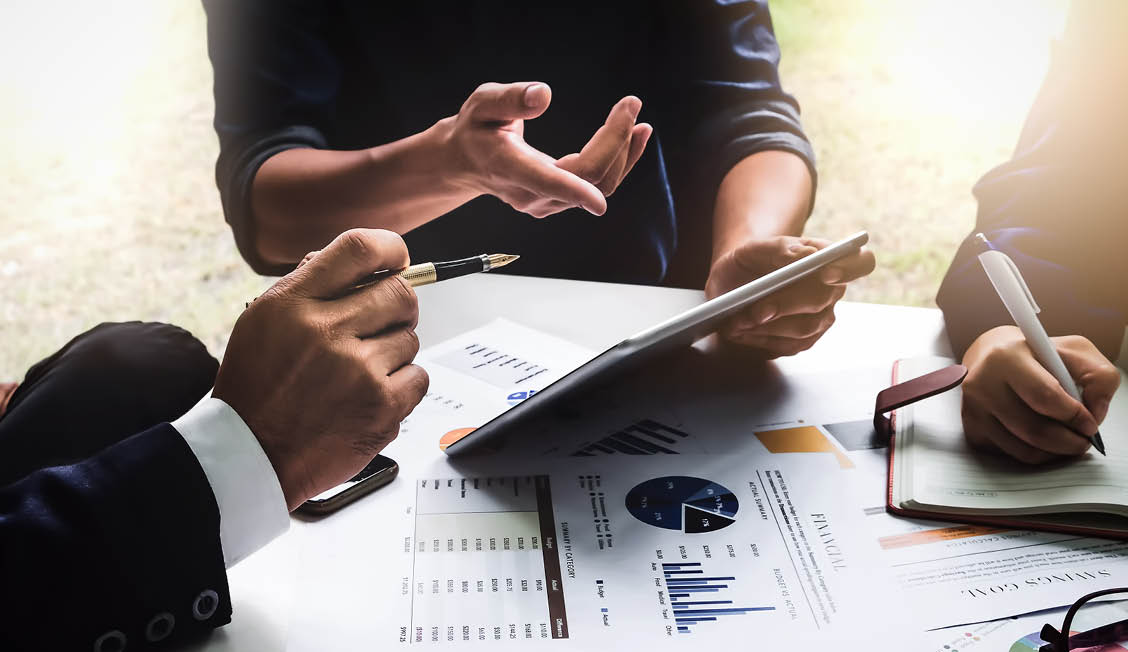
[{"x": 903, "y": 393}]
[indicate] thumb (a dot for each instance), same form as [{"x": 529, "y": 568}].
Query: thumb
[{"x": 504, "y": 102}]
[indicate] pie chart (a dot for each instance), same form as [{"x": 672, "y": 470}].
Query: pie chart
[{"x": 680, "y": 502}]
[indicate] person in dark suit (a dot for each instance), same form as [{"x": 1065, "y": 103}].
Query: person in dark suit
[
  {"x": 117, "y": 521},
  {"x": 1059, "y": 209},
  {"x": 350, "y": 113}
]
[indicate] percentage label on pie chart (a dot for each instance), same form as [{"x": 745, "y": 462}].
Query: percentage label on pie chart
[{"x": 679, "y": 502}]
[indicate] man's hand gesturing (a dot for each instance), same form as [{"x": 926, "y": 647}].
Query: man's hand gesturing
[
  {"x": 487, "y": 152},
  {"x": 321, "y": 377}
]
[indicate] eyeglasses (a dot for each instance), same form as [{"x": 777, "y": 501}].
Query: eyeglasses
[{"x": 1110, "y": 633}]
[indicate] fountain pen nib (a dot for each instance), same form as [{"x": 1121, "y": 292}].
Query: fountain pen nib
[{"x": 494, "y": 261}]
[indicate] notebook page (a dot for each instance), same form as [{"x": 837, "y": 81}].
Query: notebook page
[{"x": 946, "y": 471}]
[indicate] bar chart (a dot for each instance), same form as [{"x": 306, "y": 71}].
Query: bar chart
[
  {"x": 644, "y": 437},
  {"x": 493, "y": 365},
  {"x": 692, "y": 594},
  {"x": 485, "y": 561}
]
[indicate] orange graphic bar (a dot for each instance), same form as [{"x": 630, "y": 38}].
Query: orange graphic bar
[
  {"x": 804, "y": 439},
  {"x": 939, "y": 534}
]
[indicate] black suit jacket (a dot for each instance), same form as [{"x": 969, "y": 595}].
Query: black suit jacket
[{"x": 122, "y": 547}]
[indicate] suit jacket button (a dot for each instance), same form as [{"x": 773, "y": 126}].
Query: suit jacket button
[
  {"x": 159, "y": 627},
  {"x": 205, "y": 605},
  {"x": 111, "y": 641}
]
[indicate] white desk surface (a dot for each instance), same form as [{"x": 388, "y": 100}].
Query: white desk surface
[{"x": 595, "y": 315}]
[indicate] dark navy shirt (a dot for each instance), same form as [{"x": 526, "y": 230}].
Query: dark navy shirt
[
  {"x": 341, "y": 74},
  {"x": 1059, "y": 207}
]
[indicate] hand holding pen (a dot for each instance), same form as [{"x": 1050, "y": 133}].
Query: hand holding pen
[{"x": 1033, "y": 397}]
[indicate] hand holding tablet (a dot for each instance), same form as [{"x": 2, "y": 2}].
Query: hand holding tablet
[
  {"x": 793, "y": 319},
  {"x": 676, "y": 332}
]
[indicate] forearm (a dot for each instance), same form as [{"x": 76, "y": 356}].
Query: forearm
[
  {"x": 303, "y": 198},
  {"x": 766, "y": 194}
]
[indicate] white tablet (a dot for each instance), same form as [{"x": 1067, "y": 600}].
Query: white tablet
[{"x": 676, "y": 332}]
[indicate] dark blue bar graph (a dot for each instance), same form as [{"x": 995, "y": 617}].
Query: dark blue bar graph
[
  {"x": 690, "y": 613},
  {"x": 695, "y": 580}
]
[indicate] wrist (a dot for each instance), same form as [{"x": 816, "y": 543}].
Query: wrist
[
  {"x": 425, "y": 166},
  {"x": 272, "y": 449},
  {"x": 766, "y": 195},
  {"x": 448, "y": 162},
  {"x": 286, "y": 463}
]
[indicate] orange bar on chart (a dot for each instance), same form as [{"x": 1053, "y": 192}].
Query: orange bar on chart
[
  {"x": 939, "y": 534},
  {"x": 804, "y": 439}
]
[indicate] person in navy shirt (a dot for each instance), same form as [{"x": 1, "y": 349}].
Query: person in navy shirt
[
  {"x": 1059, "y": 209},
  {"x": 481, "y": 126}
]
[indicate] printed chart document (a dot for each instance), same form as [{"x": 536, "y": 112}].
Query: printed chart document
[
  {"x": 477, "y": 376},
  {"x": 579, "y": 553},
  {"x": 949, "y": 574},
  {"x": 1022, "y": 633},
  {"x": 955, "y": 574}
]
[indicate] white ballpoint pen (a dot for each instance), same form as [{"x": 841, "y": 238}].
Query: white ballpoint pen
[{"x": 1016, "y": 296}]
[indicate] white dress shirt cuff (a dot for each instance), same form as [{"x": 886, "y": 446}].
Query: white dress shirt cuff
[{"x": 252, "y": 509}]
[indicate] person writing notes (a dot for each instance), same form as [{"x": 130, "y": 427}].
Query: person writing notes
[
  {"x": 127, "y": 547},
  {"x": 1058, "y": 209},
  {"x": 476, "y": 126}
]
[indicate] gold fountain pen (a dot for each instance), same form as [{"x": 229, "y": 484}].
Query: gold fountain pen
[{"x": 427, "y": 273}]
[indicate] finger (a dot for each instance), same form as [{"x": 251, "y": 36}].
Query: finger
[
  {"x": 525, "y": 169},
  {"x": 1034, "y": 429},
  {"x": 618, "y": 170},
  {"x": 349, "y": 257},
  {"x": 983, "y": 431},
  {"x": 544, "y": 207},
  {"x": 1098, "y": 378},
  {"x": 639, "y": 138},
  {"x": 796, "y": 326},
  {"x": 377, "y": 308},
  {"x": 1042, "y": 392},
  {"x": 849, "y": 268},
  {"x": 807, "y": 297},
  {"x": 771, "y": 346},
  {"x": 492, "y": 102},
  {"x": 391, "y": 350},
  {"x": 308, "y": 257},
  {"x": 613, "y": 138},
  {"x": 758, "y": 256},
  {"x": 610, "y": 180},
  {"x": 409, "y": 384}
]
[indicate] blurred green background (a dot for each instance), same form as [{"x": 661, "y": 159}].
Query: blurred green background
[{"x": 110, "y": 211}]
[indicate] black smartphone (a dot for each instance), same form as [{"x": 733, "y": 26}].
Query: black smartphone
[{"x": 379, "y": 472}]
